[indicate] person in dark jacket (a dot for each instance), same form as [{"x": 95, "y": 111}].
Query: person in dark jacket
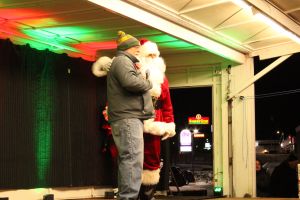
[
  {"x": 262, "y": 181},
  {"x": 284, "y": 179},
  {"x": 129, "y": 103},
  {"x": 156, "y": 129}
]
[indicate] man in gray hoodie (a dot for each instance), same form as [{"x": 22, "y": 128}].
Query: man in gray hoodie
[{"x": 129, "y": 103}]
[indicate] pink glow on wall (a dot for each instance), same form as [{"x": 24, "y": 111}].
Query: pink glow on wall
[
  {"x": 92, "y": 48},
  {"x": 21, "y": 17},
  {"x": 36, "y": 28},
  {"x": 10, "y": 30},
  {"x": 19, "y": 13}
]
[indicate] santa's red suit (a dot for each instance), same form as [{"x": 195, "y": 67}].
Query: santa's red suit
[
  {"x": 159, "y": 128},
  {"x": 163, "y": 125}
]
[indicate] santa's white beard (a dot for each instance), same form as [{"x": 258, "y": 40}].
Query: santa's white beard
[{"x": 156, "y": 68}]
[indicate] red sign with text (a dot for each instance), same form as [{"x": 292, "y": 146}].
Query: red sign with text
[{"x": 198, "y": 120}]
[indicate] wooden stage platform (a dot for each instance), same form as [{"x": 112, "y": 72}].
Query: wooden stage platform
[{"x": 201, "y": 198}]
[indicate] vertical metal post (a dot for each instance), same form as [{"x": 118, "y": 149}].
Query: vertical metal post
[{"x": 230, "y": 153}]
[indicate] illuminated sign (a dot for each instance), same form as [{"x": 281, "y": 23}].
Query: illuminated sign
[
  {"x": 198, "y": 120},
  {"x": 207, "y": 145},
  {"x": 185, "y": 141},
  {"x": 185, "y": 137},
  {"x": 185, "y": 148},
  {"x": 199, "y": 135}
]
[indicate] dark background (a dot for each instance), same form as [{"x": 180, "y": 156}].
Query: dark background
[
  {"x": 29, "y": 77},
  {"x": 188, "y": 102},
  {"x": 279, "y": 110},
  {"x": 44, "y": 107},
  {"x": 277, "y": 100}
]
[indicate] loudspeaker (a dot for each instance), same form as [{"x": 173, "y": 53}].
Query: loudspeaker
[{"x": 48, "y": 197}]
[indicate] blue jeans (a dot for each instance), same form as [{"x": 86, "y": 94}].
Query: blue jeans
[{"x": 128, "y": 137}]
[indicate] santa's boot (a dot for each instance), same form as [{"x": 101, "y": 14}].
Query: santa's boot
[
  {"x": 147, "y": 192},
  {"x": 150, "y": 179}
]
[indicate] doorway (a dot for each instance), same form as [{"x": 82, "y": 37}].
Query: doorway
[{"x": 192, "y": 165}]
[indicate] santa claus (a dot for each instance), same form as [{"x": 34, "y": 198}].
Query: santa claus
[
  {"x": 159, "y": 128},
  {"x": 163, "y": 125}
]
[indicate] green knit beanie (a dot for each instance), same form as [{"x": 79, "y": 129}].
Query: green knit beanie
[{"x": 126, "y": 41}]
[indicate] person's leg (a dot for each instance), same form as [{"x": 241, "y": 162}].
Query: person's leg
[
  {"x": 147, "y": 192},
  {"x": 151, "y": 170},
  {"x": 128, "y": 137},
  {"x": 114, "y": 159}
]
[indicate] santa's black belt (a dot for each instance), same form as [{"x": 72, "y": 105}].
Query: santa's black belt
[{"x": 157, "y": 104}]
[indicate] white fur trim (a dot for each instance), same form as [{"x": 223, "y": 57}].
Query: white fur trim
[
  {"x": 101, "y": 66},
  {"x": 149, "y": 48},
  {"x": 159, "y": 128},
  {"x": 150, "y": 177},
  {"x": 154, "y": 128}
]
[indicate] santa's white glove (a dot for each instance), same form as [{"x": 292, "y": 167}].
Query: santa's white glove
[
  {"x": 170, "y": 131},
  {"x": 165, "y": 136},
  {"x": 101, "y": 66}
]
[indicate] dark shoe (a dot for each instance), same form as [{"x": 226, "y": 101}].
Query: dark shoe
[{"x": 147, "y": 192}]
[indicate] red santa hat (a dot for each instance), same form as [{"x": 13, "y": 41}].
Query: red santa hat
[{"x": 148, "y": 47}]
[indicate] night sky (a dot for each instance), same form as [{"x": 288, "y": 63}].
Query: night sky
[
  {"x": 280, "y": 111},
  {"x": 277, "y": 111},
  {"x": 188, "y": 102}
]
